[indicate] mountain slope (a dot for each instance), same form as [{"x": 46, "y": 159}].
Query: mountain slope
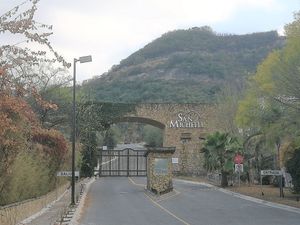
[{"x": 184, "y": 66}]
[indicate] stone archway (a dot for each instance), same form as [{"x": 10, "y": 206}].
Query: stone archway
[{"x": 184, "y": 127}]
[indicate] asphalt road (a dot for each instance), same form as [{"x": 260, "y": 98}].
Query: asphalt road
[{"x": 123, "y": 201}]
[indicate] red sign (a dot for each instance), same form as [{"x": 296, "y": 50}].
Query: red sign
[{"x": 238, "y": 159}]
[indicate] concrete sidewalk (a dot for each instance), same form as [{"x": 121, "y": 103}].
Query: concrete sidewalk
[{"x": 57, "y": 212}]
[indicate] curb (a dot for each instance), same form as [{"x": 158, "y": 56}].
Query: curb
[
  {"x": 245, "y": 197},
  {"x": 79, "y": 208}
]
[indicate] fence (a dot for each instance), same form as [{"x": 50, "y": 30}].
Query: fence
[
  {"x": 14, "y": 213},
  {"x": 214, "y": 178}
]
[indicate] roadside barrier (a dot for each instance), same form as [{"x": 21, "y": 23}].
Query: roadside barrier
[{"x": 14, "y": 213}]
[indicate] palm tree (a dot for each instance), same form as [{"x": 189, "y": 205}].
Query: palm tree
[{"x": 219, "y": 150}]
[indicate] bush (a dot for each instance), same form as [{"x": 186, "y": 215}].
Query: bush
[
  {"x": 30, "y": 156},
  {"x": 153, "y": 136},
  {"x": 293, "y": 167},
  {"x": 28, "y": 179}
]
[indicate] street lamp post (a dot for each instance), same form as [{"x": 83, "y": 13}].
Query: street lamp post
[{"x": 82, "y": 59}]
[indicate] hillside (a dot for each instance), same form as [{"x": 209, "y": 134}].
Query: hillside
[{"x": 184, "y": 66}]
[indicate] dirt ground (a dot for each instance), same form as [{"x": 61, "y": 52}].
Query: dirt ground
[{"x": 271, "y": 193}]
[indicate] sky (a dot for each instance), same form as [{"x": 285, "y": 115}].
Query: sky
[{"x": 111, "y": 30}]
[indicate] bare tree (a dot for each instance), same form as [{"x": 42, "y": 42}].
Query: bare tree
[{"x": 32, "y": 49}]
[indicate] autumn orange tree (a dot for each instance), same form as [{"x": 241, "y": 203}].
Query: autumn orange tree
[{"x": 16, "y": 120}]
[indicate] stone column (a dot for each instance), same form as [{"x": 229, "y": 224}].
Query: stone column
[{"x": 159, "y": 169}]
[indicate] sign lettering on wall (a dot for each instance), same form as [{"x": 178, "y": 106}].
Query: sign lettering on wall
[
  {"x": 174, "y": 160},
  {"x": 190, "y": 119}
]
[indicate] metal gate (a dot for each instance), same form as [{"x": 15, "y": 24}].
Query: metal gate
[{"x": 127, "y": 162}]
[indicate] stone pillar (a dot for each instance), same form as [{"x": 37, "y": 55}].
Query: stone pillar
[{"x": 159, "y": 169}]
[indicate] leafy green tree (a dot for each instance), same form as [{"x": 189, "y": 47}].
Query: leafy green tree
[
  {"x": 277, "y": 78},
  {"x": 219, "y": 150},
  {"x": 96, "y": 118},
  {"x": 271, "y": 104},
  {"x": 226, "y": 108},
  {"x": 153, "y": 136},
  {"x": 293, "y": 167},
  {"x": 88, "y": 153},
  {"x": 100, "y": 116},
  {"x": 110, "y": 139}
]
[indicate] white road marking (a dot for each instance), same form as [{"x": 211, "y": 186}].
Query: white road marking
[
  {"x": 160, "y": 206},
  {"x": 132, "y": 181},
  {"x": 170, "y": 196},
  {"x": 167, "y": 211}
]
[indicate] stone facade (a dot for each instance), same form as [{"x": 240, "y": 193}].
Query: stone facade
[
  {"x": 157, "y": 181},
  {"x": 184, "y": 127}
]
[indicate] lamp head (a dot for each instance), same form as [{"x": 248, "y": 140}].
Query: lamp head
[{"x": 85, "y": 59}]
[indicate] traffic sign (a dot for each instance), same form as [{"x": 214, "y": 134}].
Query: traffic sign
[
  {"x": 238, "y": 168},
  {"x": 238, "y": 159},
  {"x": 271, "y": 172},
  {"x": 67, "y": 173}
]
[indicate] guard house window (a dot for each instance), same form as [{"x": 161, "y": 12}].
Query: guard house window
[{"x": 185, "y": 137}]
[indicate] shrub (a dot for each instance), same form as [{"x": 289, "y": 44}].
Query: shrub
[
  {"x": 293, "y": 167},
  {"x": 28, "y": 179}
]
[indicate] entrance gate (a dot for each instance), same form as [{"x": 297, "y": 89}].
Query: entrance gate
[{"x": 127, "y": 163}]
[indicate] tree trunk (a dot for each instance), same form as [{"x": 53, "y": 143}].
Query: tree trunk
[{"x": 224, "y": 180}]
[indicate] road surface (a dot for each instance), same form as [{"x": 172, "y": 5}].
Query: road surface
[{"x": 123, "y": 201}]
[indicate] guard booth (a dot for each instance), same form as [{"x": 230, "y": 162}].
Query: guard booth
[{"x": 159, "y": 169}]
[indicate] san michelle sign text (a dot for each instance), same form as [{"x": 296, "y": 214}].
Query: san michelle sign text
[{"x": 190, "y": 119}]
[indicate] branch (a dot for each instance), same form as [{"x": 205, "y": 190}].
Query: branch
[{"x": 285, "y": 103}]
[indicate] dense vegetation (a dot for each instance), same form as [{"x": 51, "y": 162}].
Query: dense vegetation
[
  {"x": 265, "y": 116},
  {"x": 184, "y": 66},
  {"x": 219, "y": 150},
  {"x": 30, "y": 153}
]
